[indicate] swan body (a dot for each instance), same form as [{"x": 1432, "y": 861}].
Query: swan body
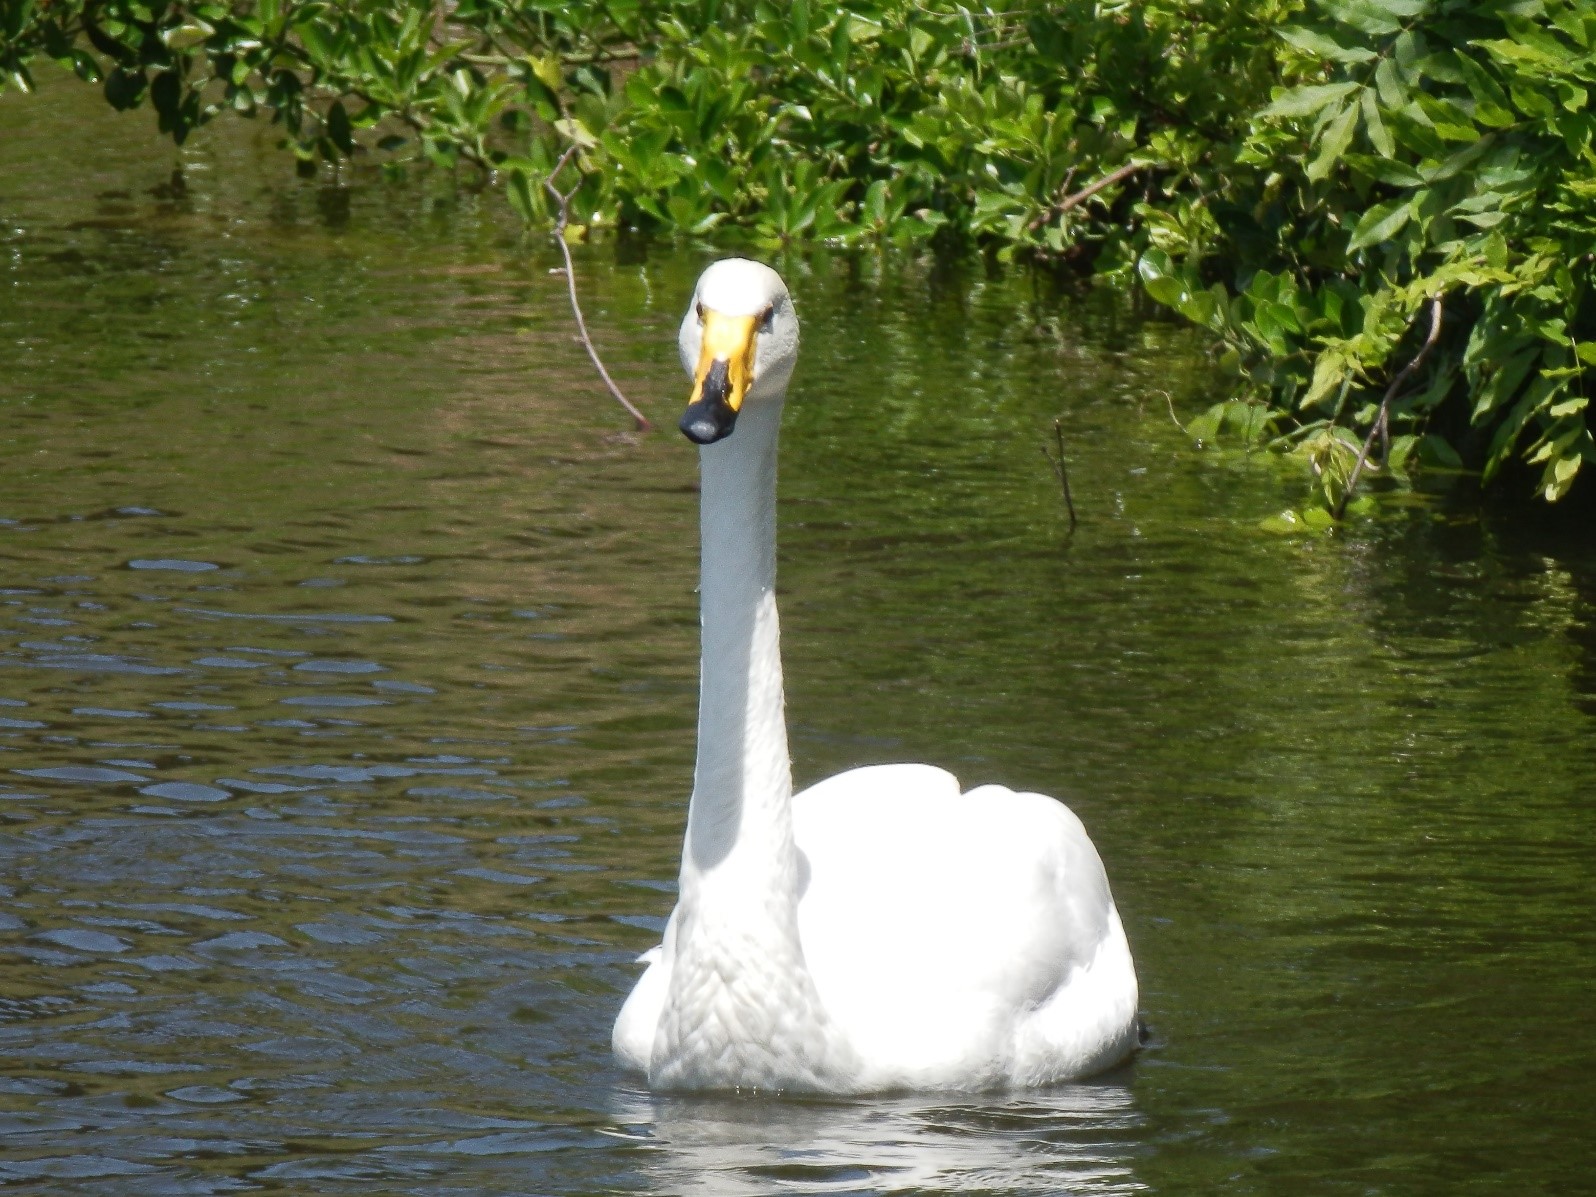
[{"x": 880, "y": 930}]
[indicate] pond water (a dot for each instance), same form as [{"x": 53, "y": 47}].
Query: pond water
[{"x": 347, "y": 683}]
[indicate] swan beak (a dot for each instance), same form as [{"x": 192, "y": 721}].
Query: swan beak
[{"x": 725, "y": 365}]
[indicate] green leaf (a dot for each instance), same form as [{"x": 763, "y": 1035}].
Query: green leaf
[
  {"x": 166, "y": 91},
  {"x": 1559, "y": 476},
  {"x": 1380, "y": 223},
  {"x": 578, "y": 132},
  {"x": 84, "y": 67},
  {"x": 1402, "y": 448},
  {"x": 338, "y": 128},
  {"x": 1323, "y": 44},
  {"x": 187, "y": 35},
  {"x": 1379, "y": 17},
  {"x": 1287, "y": 523},
  {"x": 519, "y": 189},
  {"x": 1206, "y": 426},
  {"x": 1155, "y": 264},
  {"x": 1333, "y": 142},
  {"x": 1307, "y": 101},
  {"x": 1167, "y": 291},
  {"x": 1491, "y": 105},
  {"x": 1447, "y": 119},
  {"x": 546, "y": 70},
  {"x": 1329, "y": 371},
  {"x": 1393, "y": 93},
  {"x": 1458, "y": 162},
  {"x": 1379, "y": 135},
  {"x": 1384, "y": 170},
  {"x": 1200, "y": 307},
  {"x": 1532, "y": 103},
  {"x": 316, "y": 39}
]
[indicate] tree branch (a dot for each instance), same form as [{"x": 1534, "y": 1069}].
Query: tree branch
[
  {"x": 563, "y": 199},
  {"x": 1091, "y": 189},
  {"x": 1383, "y": 416},
  {"x": 1119, "y": 174}
]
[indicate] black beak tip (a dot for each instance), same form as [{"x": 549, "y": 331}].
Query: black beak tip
[{"x": 705, "y": 423}]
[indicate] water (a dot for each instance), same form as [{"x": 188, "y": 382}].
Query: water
[{"x": 347, "y": 652}]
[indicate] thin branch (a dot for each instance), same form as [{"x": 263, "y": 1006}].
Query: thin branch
[
  {"x": 563, "y": 199},
  {"x": 1062, "y": 470},
  {"x": 1169, "y": 402},
  {"x": 1061, "y": 206},
  {"x": 1382, "y": 418},
  {"x": 1091, "y": 189}
]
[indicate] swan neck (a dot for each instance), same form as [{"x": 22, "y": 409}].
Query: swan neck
[
  {"x": 742, "y": 785},
  {"x": 741, "y": 1009}
]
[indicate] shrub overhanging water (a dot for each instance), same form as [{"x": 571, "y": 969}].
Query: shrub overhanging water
[{"x": 1381, "y": 209}]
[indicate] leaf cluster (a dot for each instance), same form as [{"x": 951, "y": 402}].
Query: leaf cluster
[
  {"x": 1413, "y": 150},
  {"x": 883, "y": 120}
]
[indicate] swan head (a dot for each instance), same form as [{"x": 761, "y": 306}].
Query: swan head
[{"x": 739, "y": 342}]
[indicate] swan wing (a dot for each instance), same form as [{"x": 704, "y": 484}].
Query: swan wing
[
  {"x": 632, "y": 1040},
  {"x": 961, "y": 939}
]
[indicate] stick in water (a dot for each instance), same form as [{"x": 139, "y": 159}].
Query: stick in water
[
  {"x": 563, "y": 199},
  {"x": 1062, "y": 470}
]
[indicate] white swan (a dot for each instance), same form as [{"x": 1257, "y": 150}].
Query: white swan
[{"x": 880, "y": 930}]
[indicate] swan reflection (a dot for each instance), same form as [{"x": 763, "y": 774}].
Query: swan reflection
[{"x": 1075, "y": 1139}]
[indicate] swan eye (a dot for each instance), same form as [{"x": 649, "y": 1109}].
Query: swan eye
[
  {"x": 700, "y": 309},
  {"x": 767, "y": 318}
]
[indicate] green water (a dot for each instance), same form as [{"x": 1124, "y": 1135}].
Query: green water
[{"x": 348, "y": 658}]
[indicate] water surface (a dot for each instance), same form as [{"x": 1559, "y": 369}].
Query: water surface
[{"x": 347, "y": 674}]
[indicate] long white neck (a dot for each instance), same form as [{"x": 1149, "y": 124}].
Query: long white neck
[
  {"x": 741, "y": 1008},
  {"x": 739, "y": 826}
]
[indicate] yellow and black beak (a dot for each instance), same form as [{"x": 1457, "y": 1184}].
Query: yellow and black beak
[{"x": 725, "y": 368}]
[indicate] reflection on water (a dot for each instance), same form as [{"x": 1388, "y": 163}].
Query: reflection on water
[
  {"x": 1072, "y": 1140},
  {"x": 347, "y": 672}
]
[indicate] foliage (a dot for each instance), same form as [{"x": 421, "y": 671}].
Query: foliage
[
  {"x": 1414, "y": 151},
  {"x": 888, "y": 121},
  {"x": 1302, "y": 181}
]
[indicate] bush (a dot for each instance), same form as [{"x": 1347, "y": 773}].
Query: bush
[
  {"x": 1320, "y": 187},
  {"x": 1421, "y": 162}
]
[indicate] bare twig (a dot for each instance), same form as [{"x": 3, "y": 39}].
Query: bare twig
[
  {"x": 1062, "y": 470},
  {"x": 1091, "y": 189},
  {"x": 1382, "y": 419},
  {"x": 1169, "y": 402},
  {"x": 1066, "y": 202},
  {"x": 563, "y": 199}
]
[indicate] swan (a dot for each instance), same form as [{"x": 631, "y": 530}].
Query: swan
[{"x": 879, "y": 931}]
